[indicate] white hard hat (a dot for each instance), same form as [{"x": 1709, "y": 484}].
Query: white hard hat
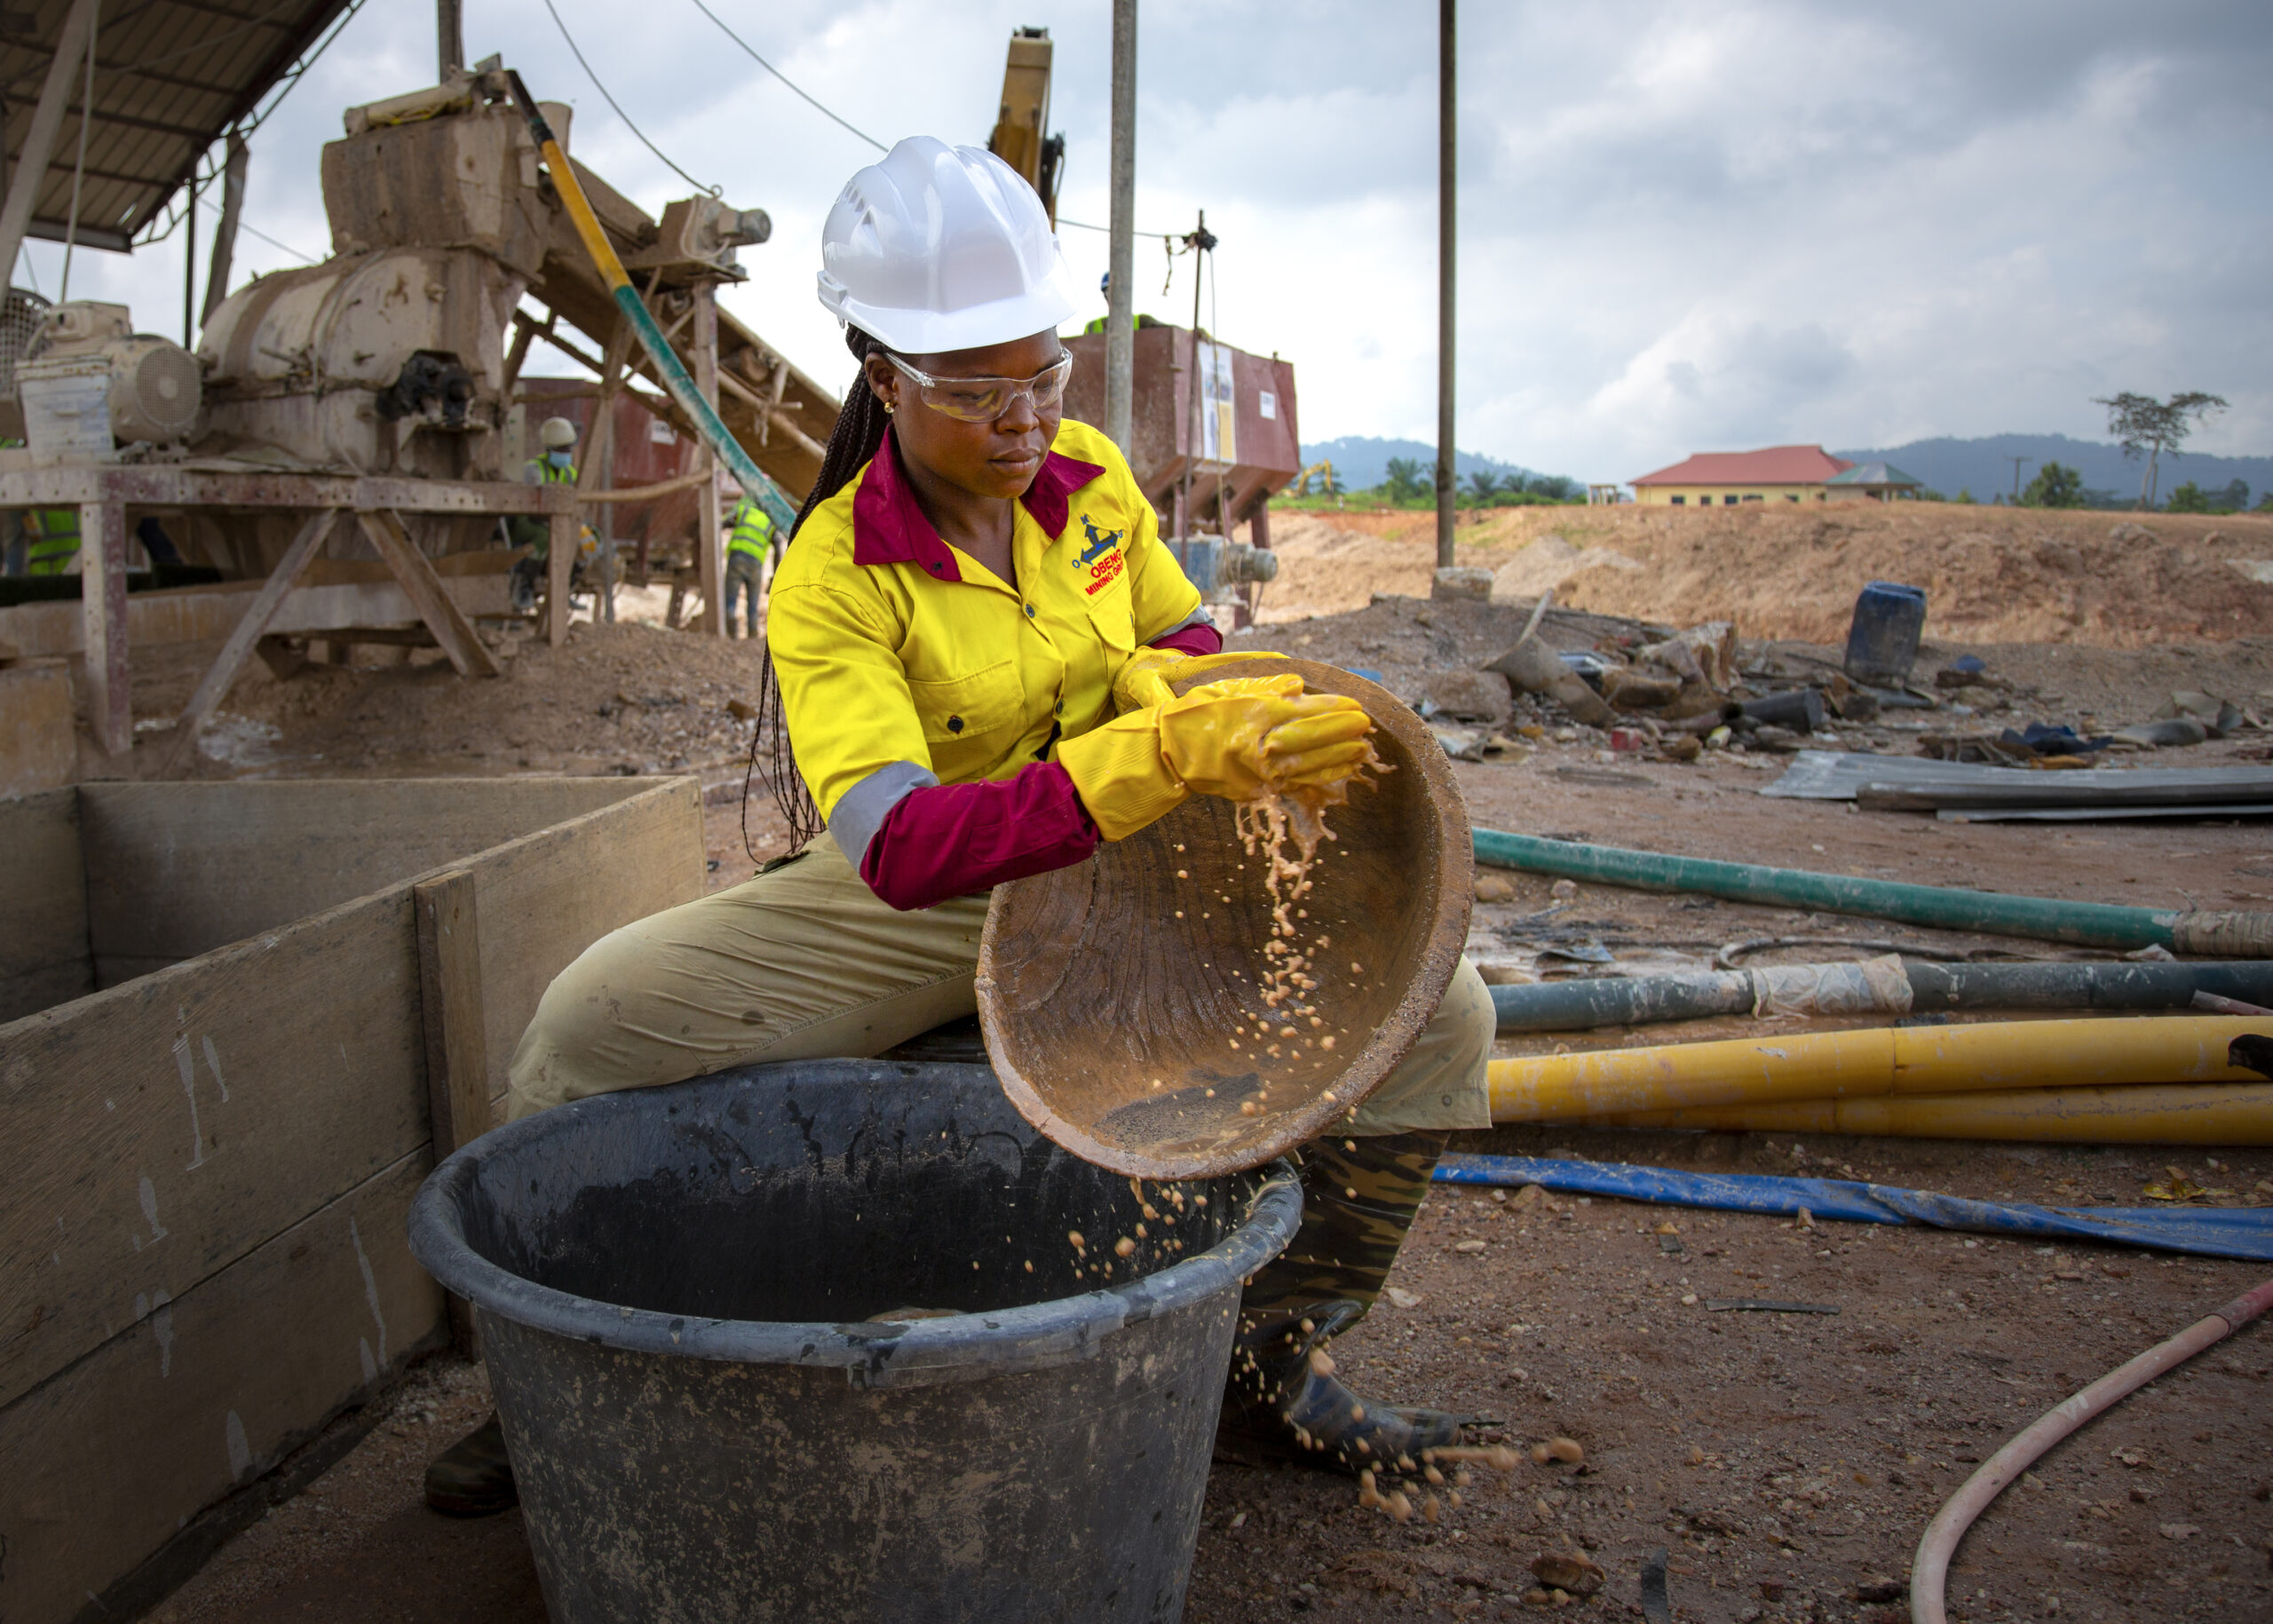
[
  {"x": 943, "y": 248},
  {"x": 556, "y": 432}
]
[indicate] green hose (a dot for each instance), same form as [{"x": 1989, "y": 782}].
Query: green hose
[{"x": 2095, "y": 924}]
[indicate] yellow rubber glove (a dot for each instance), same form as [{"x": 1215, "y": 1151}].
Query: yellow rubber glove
[
  {"x": 1143, "y": 678},
  {"x": 1233, "y": 738}
]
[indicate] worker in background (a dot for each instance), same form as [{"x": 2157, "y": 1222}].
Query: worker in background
[
  {"x": 556, "y": 464},
  {"x": 749, "y": 544},
  {"x": 969, "y": 638},
  {"x": 1104, "y": 289},
  {"x": 47, "y": 539}
]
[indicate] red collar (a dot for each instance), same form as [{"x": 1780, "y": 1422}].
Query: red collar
[{"x": 888, "y": 526}]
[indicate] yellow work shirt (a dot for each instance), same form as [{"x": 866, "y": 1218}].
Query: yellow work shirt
[{"x": 905, "y": 661}]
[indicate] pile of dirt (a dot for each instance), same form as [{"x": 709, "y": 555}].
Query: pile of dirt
[
  {"x": 1994, "y": 574},
  {"x": 627, "y": 698}
]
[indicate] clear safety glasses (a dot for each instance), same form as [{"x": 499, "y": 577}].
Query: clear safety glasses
[{"x": 983, "y": 399}]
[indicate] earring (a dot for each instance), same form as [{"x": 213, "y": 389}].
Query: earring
[{"x": 888, "y": 408}]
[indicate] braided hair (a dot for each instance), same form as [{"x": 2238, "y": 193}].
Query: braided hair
[{"x": 859, "y": 435}]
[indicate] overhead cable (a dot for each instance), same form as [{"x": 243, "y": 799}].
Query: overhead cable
[
  {"x": 785, "y": 78},
  {"x": 826, "y": 111},
  {"x": 620, "y": 113},
  {"x": 243, "y": 224}
]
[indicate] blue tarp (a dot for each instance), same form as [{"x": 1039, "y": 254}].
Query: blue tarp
[{"x": 2208, "y": 1232}]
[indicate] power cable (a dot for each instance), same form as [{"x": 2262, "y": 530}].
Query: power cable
[
  {"x": 785, "y": 79},
  {"x": 620, "y": 113},
  {"x": 243, "y": 224}
]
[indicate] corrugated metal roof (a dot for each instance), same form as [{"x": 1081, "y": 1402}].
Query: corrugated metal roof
[
  {"x": 1773, "y": 465},
  {"x": 171, "y": 77},
  {"x": 1874, "y": 473}
]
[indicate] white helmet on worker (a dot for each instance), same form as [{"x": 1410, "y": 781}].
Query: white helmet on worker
[
  {"x": 557, "y": 433},
  {"x": 943, "y": 248}
]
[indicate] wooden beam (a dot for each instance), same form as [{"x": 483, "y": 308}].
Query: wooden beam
[
  {"x": 710, "y": 549},
  {"x": 559, "y": 566},
  {"x": 39, "y": 142},
  {"x": 249, "y": 632},
  {"x": 457, "y": 1060},
  {"x": 468, "y": 653},
  {"x": 102, "y": 616}
]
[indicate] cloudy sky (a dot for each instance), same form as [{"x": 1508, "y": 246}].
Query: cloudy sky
[{"x": 1685, "y": 225}]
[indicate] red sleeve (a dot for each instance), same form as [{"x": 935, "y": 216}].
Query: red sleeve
[
  {"x": 1197, "y": 640},
  {"x": 951, "y": 840}
]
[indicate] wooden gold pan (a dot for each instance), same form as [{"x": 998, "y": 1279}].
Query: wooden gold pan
[{"x": 1092, "y": 990}]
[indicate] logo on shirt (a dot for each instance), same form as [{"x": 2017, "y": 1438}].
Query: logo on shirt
[{"x": 1103, "y": 559}]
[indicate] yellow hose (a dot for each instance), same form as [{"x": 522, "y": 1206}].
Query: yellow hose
[
  {"x": 2148, "y": 1113},
  {"x": 1823, "y": 1066}
]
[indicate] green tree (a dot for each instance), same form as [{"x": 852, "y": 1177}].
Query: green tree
[
  {"x": 1486, "y": 485},
  {"x": 2147, "y": 427},
  {"x": 1404, "y": 481},
  {"x": 1964, "y": 498},
  {"x": 2055, "y": 486},
  {"x": 2188, "y": 498},
  {"x": 2234, "y": 498}
]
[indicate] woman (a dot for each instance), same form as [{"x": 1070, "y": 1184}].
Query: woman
[{"x": 968, "y": 629}]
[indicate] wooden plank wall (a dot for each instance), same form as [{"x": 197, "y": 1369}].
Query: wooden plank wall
[
  {"x": 174, "y": 870},
  {"x": 45, "y": 957},
  {"x": 201, "y": 1253}
]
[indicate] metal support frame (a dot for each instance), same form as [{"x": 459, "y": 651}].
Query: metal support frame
[
  {"x": 102, "y": 608},
  {"x": 225, "y": 234},
  {"x": 103, "y": 494},
  {"x": 246, "y": 637},
  {"x": 39, "y": 141}
]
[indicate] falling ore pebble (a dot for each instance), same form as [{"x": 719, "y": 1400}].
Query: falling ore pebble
[
  {"x": 1123, "y": 1247},
  {"x": 1356, "y": 968},
  {"x": 1182, "y": 874},
  {"x": 1247, "y": 1107},
  {"x": 1429, "y": 1510},
  {"x": 1325, "y": 1042},
  {"x": 1074, "y": 1236},
  {"x": 1540, "y": 1455},
  {"x": 1400, "y": 1506},
  {"x": 1566, "y": 1450},
  {"x": 1029, "y": 1265}
]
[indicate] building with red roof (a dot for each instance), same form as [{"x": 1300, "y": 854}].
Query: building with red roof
[{"x": 1723, "y": 479}]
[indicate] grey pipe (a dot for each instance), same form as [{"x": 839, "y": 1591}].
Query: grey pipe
[{"x": 1620, "y": 1001}]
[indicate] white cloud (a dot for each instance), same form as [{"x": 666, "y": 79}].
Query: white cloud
[{"x": 1685, "y": 225}]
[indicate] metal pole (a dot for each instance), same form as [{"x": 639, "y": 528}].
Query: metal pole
[
  {"x": 1197, "y": 382},
  {"x": 1447, "y": 111},
  {"x": 1121, "y": 255},
  {"x": 79, "y": 169},
  {"x": 189, "y": 272},
  {"x": 450, "y": 26}
]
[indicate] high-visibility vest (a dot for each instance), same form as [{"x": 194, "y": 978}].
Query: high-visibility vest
[
  {"x": 55, "y": 535},
  {"x": 753, "y": 530},
  {"x": 550, "y": 473},
  {"x": 55, "y": 541}
]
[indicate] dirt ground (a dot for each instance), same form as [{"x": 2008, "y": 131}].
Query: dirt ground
[{"x": 1786, "y": 1462}]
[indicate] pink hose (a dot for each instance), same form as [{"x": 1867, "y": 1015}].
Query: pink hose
[{"x": 1931, "y": 1569}]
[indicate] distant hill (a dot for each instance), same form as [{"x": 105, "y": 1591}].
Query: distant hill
[
  {"x": 1361, "y": 461},
  {"x": 1981, "y": 466}
]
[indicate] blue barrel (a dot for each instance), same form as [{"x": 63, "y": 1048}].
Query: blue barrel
[{"x": 1883, "y": 643}]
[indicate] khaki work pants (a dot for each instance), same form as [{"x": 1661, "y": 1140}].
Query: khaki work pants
[{"x": 806, "y": 962}]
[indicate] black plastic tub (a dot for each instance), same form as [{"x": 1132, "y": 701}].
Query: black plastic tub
[{"x": 695, "y": 1302}]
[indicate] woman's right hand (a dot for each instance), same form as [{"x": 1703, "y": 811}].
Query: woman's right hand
[{"x": 1238, "y": 738}]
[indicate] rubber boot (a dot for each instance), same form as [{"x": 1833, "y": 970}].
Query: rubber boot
[
  {"x": 1359, "y": 1197},
  {"x": 473, "y": 1477}
]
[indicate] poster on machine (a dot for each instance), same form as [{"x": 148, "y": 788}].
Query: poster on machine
[{"x": 1218, "y": 423}]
